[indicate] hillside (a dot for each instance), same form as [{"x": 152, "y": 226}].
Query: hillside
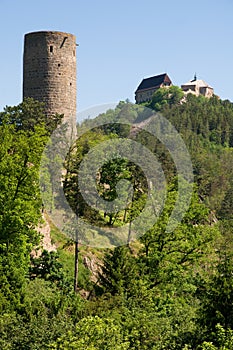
[{"x": 163, "y": 289}]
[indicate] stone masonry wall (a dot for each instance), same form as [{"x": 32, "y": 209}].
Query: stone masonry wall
[{"x": 49, "y": 71}]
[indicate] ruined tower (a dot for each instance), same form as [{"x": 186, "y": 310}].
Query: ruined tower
[{"x": 49, "y": 71}]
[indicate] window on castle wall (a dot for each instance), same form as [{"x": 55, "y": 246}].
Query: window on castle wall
[{"x": 51, "y": 48}]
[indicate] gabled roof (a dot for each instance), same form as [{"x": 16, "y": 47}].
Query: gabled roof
[
  {"x": 198, "y": 82},
  {"x": 154, "y": 82}
]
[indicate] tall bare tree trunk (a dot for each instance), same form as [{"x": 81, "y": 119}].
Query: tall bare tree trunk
[{"x": 76, "y": 263}]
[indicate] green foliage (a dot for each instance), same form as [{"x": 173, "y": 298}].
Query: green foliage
[
  {"x": 46, "y": 313},
  {"x": 20, "y": 204},
  {"x": 48, "y": 267},
  {"x": 65, "y": 254},
  {"x": 70, "y": 183},
  {"x": 217, "y": 292},
  {"x": 28, "y": 114},
  {"x": 168, "y": 290},
  {"x": 168, "y": 256},
  {"x": 93, "y": 333},
  {"x": 165, "y": 97},
  {"x": 224, "y": 340},
  {"x": 119, "y": 272}
]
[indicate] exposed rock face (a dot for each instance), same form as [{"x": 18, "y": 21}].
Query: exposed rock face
[
  {"x": 46, "y": 244},
  {"x": 93, "y": 264}
]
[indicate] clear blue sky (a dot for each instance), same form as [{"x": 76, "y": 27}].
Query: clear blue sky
[{"x": 121, "y": 42}]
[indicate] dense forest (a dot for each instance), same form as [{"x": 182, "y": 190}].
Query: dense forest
[{"x": 165, "y": 290}]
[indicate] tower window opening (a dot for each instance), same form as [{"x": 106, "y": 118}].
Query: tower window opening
[
  {"x": 51, "y": 48},
  {"x": 59, "y": 65}
]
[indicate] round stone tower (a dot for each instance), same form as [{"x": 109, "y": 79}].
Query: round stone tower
[{"x": 49, "y": 71}]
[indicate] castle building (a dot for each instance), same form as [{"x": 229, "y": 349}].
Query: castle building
[
  {"x": 49, "y": 71},
  {"x": 197, "y": 87},
  {"x": 148, "y": 86}
]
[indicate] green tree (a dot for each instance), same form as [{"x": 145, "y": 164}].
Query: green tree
[
  {"x": 166, "y": 96},
  {"x": 29, "y": 114},
  {"x": 223, "y": 340},
  {"x": 119, "y": 272},
  {"x": 217, "y": 293},
  {"x": 47, "y": 267},
  {"x": 168, "y": 255},
  {"x": 20, "y": 202},
  {"x": 93, "y": 333}
]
